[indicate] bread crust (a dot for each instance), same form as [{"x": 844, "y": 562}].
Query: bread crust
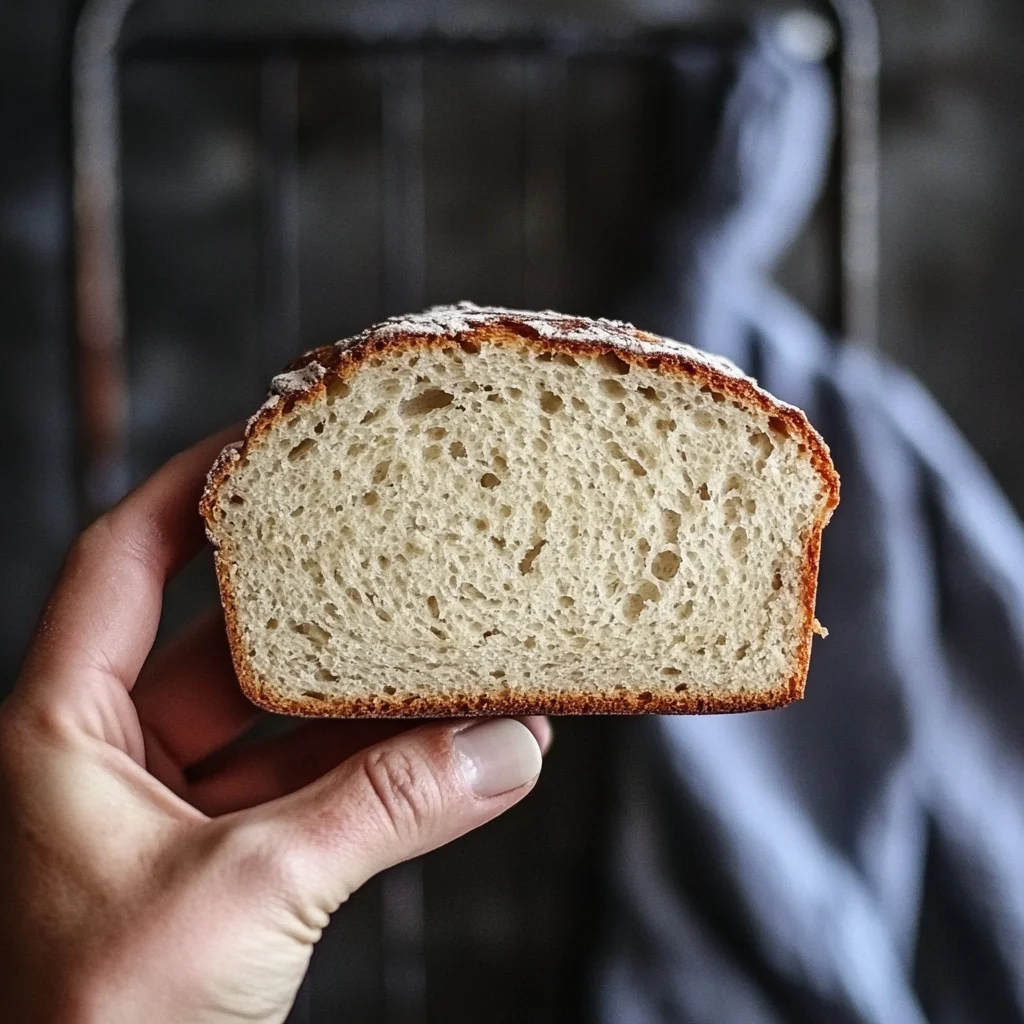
[{"x": 307, "y": 378}]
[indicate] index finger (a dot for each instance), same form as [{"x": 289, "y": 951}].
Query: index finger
[{"x": 102, "y": 617}]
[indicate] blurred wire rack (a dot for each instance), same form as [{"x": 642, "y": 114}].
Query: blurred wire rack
[{"x": 841, "y": 33}]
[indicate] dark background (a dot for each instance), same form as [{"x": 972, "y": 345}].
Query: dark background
[
  {"x": 952, "y": 257},
  {"x": 200, "y": 347}
]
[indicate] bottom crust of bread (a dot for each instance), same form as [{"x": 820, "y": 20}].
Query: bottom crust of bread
[{"x": 463, "y": 705}]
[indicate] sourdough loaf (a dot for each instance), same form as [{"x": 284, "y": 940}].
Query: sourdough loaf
[{"x": 488, "y": 511}]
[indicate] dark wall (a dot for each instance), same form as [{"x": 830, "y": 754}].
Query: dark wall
[
  {"x": 952, "y": 229},
  {"x": 36, "y": 457}
]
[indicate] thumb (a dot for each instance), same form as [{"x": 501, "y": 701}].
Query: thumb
[{"x": 398, "y": 799}]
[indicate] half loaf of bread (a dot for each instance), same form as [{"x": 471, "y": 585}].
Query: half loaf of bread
[{"x": 488, "y": 511}]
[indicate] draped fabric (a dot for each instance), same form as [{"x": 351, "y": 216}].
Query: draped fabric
[{"x": 858, "y": 857}]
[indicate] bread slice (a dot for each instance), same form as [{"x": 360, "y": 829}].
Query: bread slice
[{"x": 486, "y": 511}]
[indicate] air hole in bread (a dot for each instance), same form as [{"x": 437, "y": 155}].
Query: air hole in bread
[
  {"x": 489, "y": 481},
  {"x": 304, "y": 447},
  {"x": 612, "y": 363},
  {"x": 670, "y": 520},
  {"x": 635, "y": 602},
  {"x": 716, "y": 396},
  {"x": 778, "y": 425},
  {"x": 526, "y": 565},
  {"x": 665, "y": 565},
  {"x": 616, "y": 452},
  {"x": 550, "y": 402},
  {"x": 426, "y": 402},
  {"x": 762, "y": 443},
  {"x": 457, "y": 450},
  {"x": 470, "y": 347},
  {"x": 337, "y": 389},
  {"x": 236, "y": 499},
  {"x": 311, "y": 631},
  {"x": 703, "y": 493},
  {"x": 614, "y": 389}
]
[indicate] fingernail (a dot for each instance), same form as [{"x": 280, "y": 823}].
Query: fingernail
[
  {"x": 496, "y": 756},
  {"x": 543, "y": 731}
]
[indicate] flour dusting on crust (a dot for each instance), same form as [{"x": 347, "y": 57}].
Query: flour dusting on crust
[
  {"x": 464, "y": 317},
  {"x": 296, "y": 381},
  {"x": 453, "y": 321},
  {"x": 449, "y": 321}
]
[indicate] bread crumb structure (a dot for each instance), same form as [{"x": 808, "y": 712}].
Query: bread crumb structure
[{"x": 486, "y": 511}]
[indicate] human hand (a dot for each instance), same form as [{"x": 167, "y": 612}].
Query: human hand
[{"x": 134, "y": 887}]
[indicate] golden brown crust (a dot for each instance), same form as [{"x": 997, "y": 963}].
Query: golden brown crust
[
  {"x": 573, "y": 336},
  {"x": 462, "y": 705}
]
